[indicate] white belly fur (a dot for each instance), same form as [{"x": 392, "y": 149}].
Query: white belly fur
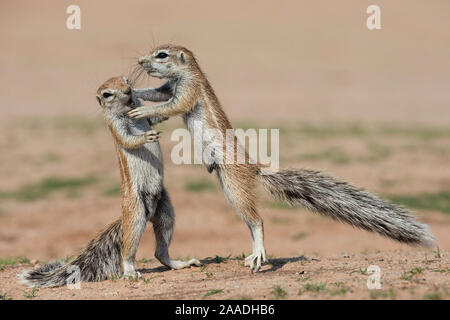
[
  {"x": 145, "y": 163},
  {"x": 196, "y": 123}
]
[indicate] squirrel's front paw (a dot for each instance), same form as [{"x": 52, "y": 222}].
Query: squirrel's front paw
[
  {"x": 152, "y": 136},
  {"x": 138, "y": 113}
]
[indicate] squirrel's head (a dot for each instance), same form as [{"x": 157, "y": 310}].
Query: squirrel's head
[
  {"x": 169, "y": 62},
  {"x": 115, "y": 94}
]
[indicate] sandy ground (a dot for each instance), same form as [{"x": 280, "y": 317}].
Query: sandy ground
[
  {"x": 305, "y": 250},
  {"x": 299, "y": 277},
  {"x": 368, "y": 107}
]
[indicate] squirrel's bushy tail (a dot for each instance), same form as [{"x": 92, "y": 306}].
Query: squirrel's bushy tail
[
  {"x": 344, "y": 202},
  {"x": 100, "y": 260}
]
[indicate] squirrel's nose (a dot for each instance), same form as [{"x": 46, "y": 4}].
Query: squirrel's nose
[{"x": 142, "y": 60}]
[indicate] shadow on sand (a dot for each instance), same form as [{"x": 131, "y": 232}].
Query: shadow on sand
[{"x": 275, "y": 263}]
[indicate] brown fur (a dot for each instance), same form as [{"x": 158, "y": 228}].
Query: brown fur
[
  {"x": 326, "y": 195},
  {"x": 238, "y": 180},
  {"x": 144, "y": 201},
  {"x": 116, "y": 83},
  {"x": 128, "y": 205}
]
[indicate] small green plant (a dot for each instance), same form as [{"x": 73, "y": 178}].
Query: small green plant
[
  {"x": 199, "y": 185},
  {"x": 416, "y": 270},
  {"x": 408, "y": 275},
  {"x": 133, "y": 279},
  {"x": 30, "y": 294},
  {"x": 219, "y": 259},
  {"x": 311, "y": 287},
  {"x": 206, "y": 271},
  {"x": 437, "y": 253},
  {"x": 241, "y": 257},
  {"x": 279, "y": 293},
  {"x": 341, "y": 289},
  {"x": 209, "y": 274},
  {"x": 433, "y": 296},
  {"x": 213, "y": 291},
  {"x": 377, "y": 294},
  {"x": 4, "y": 296},
  {"x": 13, "y": 261},
  {"x": 147, "y": 280}
]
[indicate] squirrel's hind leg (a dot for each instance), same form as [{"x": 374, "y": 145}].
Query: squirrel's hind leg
[
  {"x": 163, "y": 221},
  {"x": 134, "y": 223},
  {"x": 238, "y": 184}
]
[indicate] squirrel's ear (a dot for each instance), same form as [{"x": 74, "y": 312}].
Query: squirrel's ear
[
  {"x": 182, "y": 58},
  {"x": 99, "y": 100}
]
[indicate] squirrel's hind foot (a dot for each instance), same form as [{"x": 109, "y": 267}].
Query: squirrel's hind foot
[
  {"x": 177, "y": 264},
  {"x": 255, "y": 259}
]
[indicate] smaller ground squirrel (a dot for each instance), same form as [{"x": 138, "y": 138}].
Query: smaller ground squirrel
[
  {"x": 194, "y": 99},
  {"x": 144, "y": 198}
]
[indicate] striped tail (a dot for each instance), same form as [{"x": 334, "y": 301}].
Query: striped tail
[
  {"x": 101, "y": 259},
  {"x": 344, "y": 202}
]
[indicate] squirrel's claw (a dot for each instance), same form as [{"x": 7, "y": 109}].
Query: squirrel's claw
[{"x": 259, "y": 256}]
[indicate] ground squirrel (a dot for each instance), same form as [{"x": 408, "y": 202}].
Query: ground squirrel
[
  {"x": 194, "y": 99},
  {"x": 144, "y": 198}
]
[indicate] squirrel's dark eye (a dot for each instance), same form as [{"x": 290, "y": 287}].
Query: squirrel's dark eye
[
  {"x": 106, "y": 95},
  {"x": 162, "y": 55}
]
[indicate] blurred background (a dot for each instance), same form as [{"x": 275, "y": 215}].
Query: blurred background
[{"x": 368, "y": 106}]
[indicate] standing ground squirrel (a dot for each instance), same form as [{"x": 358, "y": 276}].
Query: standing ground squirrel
[
  {"x": 144, "y": 198},
  {"x": 194, "y": 99}
]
